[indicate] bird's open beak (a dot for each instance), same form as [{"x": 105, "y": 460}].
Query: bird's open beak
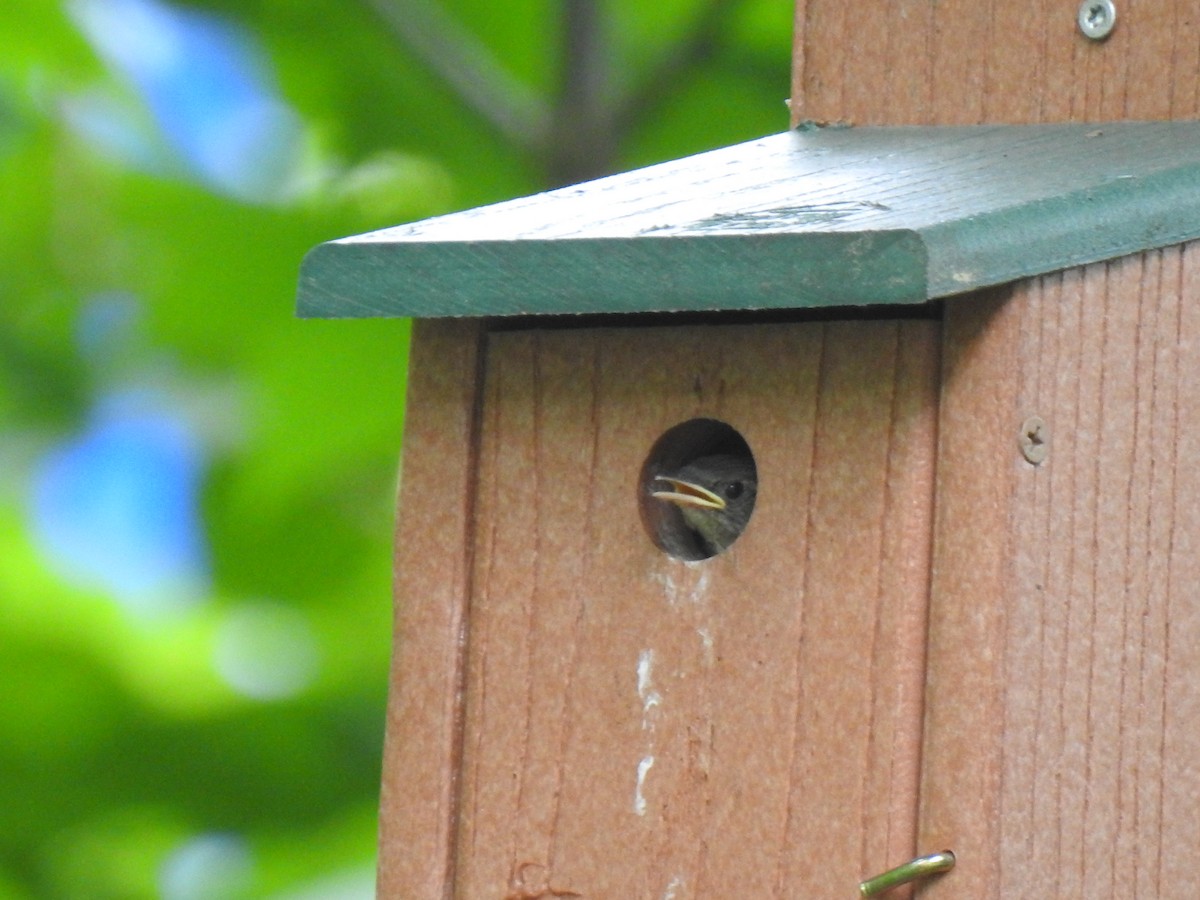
[{"x": 687, "y": 494}]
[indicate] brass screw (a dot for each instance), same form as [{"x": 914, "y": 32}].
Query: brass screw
[{"x": 921, "y": 867}]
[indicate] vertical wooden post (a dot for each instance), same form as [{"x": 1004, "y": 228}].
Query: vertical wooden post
[
  {"x": 964, "y": 62},
  {"x": 1064, "y": 674}
]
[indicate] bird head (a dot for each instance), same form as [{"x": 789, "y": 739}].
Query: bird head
[{"x": 715, "y": 496}]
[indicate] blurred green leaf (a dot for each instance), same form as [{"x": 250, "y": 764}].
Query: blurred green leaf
[{"x": 132, "y": 747}]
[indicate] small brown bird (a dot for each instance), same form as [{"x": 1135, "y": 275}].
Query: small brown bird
[{"x": 715, "y": 495}]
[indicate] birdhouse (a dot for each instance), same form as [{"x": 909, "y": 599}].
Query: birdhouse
[{"x": 780, "y": 515}]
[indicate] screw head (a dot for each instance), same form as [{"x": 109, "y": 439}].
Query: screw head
[
  {"x": 1033, "y": 439},
  {"x": 1097, "y": 18}
]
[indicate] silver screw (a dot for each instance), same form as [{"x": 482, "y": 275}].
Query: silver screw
[
  {"x": 1097, "y": 18},
  {"x": 1033, "y": 439}
]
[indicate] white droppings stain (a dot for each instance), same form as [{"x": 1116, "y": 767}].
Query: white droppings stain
[
  {"x": 645, "y": 686},
  {"x": 668, "y": 585},
  {"x": 706, "y": 641},
  {"x": 676, "y": 592},
  {"x": 639, "y": 799},
  {"x": 673, "y": 885},
  {"x": 644, "y": 668},
  {"x": 651, "y": 706}
]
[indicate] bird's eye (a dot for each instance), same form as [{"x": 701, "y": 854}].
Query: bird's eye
[{"x": 733, "y": 490}]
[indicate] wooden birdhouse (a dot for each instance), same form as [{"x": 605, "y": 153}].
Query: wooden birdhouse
[{"x": 956, "y": 339}]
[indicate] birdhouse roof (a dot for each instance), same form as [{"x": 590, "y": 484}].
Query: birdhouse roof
[{"x": 818, "y": 216}]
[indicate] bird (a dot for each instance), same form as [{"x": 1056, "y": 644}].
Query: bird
[{"x": 715, "y": 495}]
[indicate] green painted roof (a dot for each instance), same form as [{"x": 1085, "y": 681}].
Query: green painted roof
[{"x": 813, "y": 217}]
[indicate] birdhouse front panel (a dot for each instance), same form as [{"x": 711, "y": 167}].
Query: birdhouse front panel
[{"x": 637, "y": 724}]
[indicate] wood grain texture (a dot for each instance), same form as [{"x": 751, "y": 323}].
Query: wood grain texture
[
  {"x": 1062, "y": 750},
  {"x": 958, "y": 62},
  {"x": 432, "y": 564},
  {"x": 638, "y": 726}
]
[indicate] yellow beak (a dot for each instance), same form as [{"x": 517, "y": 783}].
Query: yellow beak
[{"x": 687, "y": 494}]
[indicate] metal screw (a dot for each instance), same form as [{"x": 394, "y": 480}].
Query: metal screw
[
  {"x": 1097, "y": 18},
  {"x": 1033, "y": 440}
]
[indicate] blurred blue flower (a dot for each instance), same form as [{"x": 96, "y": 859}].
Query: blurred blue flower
[
  {"x": 116, "y": 507},
  {"x": 207, "y": 88},
  {"x": 207, "y": 866}
]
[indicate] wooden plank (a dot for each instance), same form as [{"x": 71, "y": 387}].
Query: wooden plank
[
  {"x": 432, "y": 564},
  {"x": 820, "y": 217},
  {"x": 963, "y": 722},
  {"x": 747, "y": 725},
  {"x": 961, "y": 62},
  {"x": 1064, "y": 656}
]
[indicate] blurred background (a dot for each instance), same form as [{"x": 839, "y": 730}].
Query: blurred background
[{"x": 196, "y": 489}]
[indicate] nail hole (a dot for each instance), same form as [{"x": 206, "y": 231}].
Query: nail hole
[{"x": 710, "y": 496}]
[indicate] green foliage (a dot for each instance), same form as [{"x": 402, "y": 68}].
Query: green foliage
[{"x": 122, "y": 738}]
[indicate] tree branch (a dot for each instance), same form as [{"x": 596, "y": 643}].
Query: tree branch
[
  {"x": 702, "y": 40},
  {"x": 582, "y": 144},
  {"x": 576, "y": 134},
  {"x": 470, "y": 70}
]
